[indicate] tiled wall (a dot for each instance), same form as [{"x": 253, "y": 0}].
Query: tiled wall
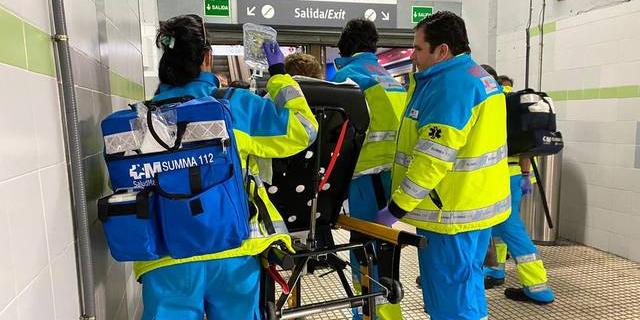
[
  {"x": 591, "y": 67},
  {"x": 107, "y": 62},
  {"x": 39, "y": 278},
  {"x": 37, "y": 273}
]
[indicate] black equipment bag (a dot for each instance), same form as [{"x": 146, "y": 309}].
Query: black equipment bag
[
  {"x": 531, "y": 124},
  {"x": 295, "y": 181}
]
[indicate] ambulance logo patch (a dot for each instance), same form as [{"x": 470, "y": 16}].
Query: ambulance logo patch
[
  {"x": 435, "y": 133},
  {"x": 490, "y": 84},
  {"x": 413, "y": 114}
]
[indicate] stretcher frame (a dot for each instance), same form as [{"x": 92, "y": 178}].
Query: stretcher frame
[{"x": 372, "y": 236}]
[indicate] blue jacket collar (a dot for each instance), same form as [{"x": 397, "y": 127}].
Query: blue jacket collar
[
  {"x": 360, "y": 56},
  {"x": 202, "y": 86},
  {"x": 444, "y": 65}
]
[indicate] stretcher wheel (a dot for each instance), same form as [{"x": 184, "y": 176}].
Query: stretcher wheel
[
  {"x": 271, "y": 311},
  {"x": 396, "y": 292}
]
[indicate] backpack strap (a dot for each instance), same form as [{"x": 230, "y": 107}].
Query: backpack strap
[{"x": 223, "y": 93}]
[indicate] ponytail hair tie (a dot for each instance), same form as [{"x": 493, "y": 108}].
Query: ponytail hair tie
[{"x": 168, "y": 41}]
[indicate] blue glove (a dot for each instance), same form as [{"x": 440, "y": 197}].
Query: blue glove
[
  {"x": 273, "y": 53},
  {"x": 525, "y": 184},
  {"x": 384, "y": 217}
]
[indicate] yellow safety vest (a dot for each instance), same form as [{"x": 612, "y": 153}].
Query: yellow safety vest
[
  {"x": 385, "y": 99},
  {"x": 256, "y": 124},
  {"x": 453, "y": 143}
]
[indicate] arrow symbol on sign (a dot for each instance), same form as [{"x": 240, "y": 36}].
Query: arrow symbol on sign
[
  {"x": 251, "y": 11},
  {"x": 385, "y": 16}
]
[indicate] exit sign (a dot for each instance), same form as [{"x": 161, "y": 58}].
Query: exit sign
[
  {"x": 420, "y": 12},
  {"x": 216, "y": 8}
]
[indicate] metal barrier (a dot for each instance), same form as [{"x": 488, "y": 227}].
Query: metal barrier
[{"x": 532, "y": 208}]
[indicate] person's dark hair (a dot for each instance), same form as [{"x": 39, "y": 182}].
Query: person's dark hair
[
  {"x": 303, "y": 64},
  {"x": 184, "y": 42},
  {"x": 239, "y": 84},
  {"x": 505, "y": 79},
  {"x": 445, "y": 27},
  {"x": 489, "y": 69},
  {"x": 359, "y": 35}
]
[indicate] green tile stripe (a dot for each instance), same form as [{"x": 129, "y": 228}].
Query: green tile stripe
[
  {"x": 123, "y": 87},
  {"x": 25, "y": 46},
  {"x": 547, "y": 28},
  {"x": 597, "y": 93}
]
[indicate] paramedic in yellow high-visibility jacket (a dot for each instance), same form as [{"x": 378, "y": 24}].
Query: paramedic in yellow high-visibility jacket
[
  {"x": 226, "y": 285},
  {"x": 512, "y": 236},
  {"x": 371, "y": 185},
  {"x": 450, "y": 176}
]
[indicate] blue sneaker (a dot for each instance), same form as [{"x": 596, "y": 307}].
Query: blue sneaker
[
  {"x": 493, "y": 277},
  {"x": 538, "y": 296}
]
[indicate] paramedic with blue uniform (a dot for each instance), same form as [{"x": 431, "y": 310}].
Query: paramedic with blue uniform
[
  {"x": 369, "y": 190},
  {"x": 450, "y": 176},
  {"x": 511, "y": 235},
  {"x": 225, "y": 285}
]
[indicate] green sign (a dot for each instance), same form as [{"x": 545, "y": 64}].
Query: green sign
[
  {"x": 419, "y": 12},
  {"x": 217, "y": 8}
]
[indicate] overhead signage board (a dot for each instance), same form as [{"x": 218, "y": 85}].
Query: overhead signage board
[
  {"x": 420, "y": 12},
  {"x": 314, "y": 13},
  {"x": 217, "y": 8},
  {"x": 410, "y": 12}
]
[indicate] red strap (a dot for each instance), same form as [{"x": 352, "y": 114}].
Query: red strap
[
  {"x": 336, "y": 154},
  {"x": 275, "y": 275}
]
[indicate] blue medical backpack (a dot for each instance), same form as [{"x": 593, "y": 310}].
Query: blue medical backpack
[{"x": 183, "y": 201}]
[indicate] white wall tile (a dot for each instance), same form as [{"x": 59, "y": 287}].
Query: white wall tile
[
  {"x": 593, "y": 216},
  {"x": 10, "y": 312},
  {"x": 634, "y": 250},
  {"x": 591, "y": 77},
  {"x": 65, "y": 285},
  {"x": 35, "y": 12},
  {"x": 82, "y": 24},
  {"x": 37, "y": 300},
  {"x": 629, "y": 109},
  {"x": 596, "y": 238},
  {"x": 629, "y": 49},
  {"x": 57, "y": 208},
  {"x": 626, "y": 179},
  {"x": 18, "y": 143},
  {"x": 599, "y": 54},
  {"x": 48, "y": 121},
  {"x": 21, "y": 200},
  {"x": 619, "y": 245},
  {"x": 635, "y": 206},
  {"x": 624, "y": 155},
  {"x": 619, "y": 132},
  {"x": 7, "y": 286},
  {"x": 620, "y": 74}
]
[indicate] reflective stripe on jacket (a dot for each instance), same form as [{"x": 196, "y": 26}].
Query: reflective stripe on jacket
[
  {"x": 385, "y": 99},
  {"x": 263, "y": 128},
  {"x": 452, "y": 143}
]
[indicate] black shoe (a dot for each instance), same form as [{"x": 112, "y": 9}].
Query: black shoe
[
  {"x": 517, "y": 294},
  {"x": 491, "y": 282}
]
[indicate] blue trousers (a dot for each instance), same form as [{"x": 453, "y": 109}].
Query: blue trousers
[
  {"x": 222, "y": 289},
  {"x": 511, "y": 235},
  {"x": 451, "y": 274},
  {"x": 363, "y": 205}
]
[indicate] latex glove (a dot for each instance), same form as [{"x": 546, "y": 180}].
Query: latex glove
[
  {"x": 525, "y": 184},
  {"x": 273, "y": 53},
  {"x": 384, "y": 217}
]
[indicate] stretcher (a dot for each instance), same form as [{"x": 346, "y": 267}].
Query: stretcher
[{"x": 309, "y": 189}]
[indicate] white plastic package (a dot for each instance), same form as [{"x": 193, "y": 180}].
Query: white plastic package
[
  {"x": 545, "y": 105},
  {"x": 254, "y": 36},
  {"x": 164, "y": 124}
]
